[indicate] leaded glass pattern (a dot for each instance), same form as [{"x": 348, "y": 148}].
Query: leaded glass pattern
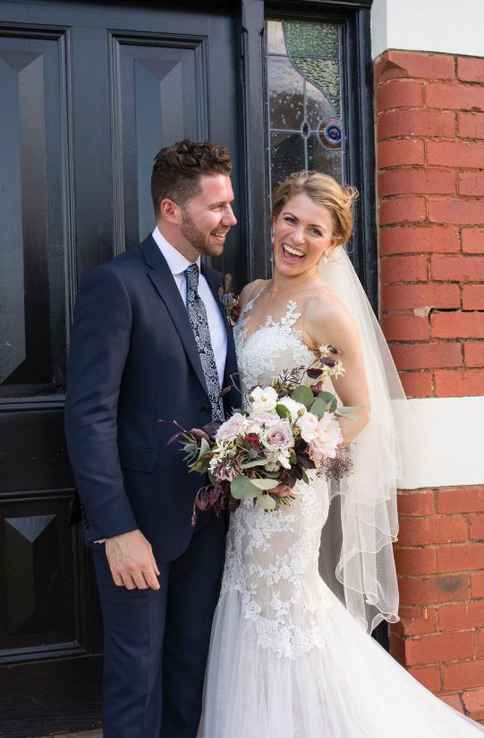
[{"x": 304, "y": 98}]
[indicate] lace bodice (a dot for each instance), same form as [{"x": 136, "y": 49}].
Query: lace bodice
[
  {"x": 274, "y": 346},
  {"x": 272, "y": 558}
]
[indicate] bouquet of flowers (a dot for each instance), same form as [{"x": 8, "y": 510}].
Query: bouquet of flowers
[{"x": 260, "y": 452}]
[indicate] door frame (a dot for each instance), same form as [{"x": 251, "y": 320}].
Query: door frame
[{"x": 357, "y": 102}]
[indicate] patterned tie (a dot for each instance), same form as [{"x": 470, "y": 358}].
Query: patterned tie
[{"x": 197, "y": 316}]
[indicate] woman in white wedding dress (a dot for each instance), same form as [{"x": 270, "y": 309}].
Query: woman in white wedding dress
[{"x": 289, "y": 657}]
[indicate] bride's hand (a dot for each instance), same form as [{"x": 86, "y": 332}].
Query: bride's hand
[{"x": 131, "y": 560}]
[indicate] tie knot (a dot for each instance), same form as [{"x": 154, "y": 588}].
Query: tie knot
[{"x": 192, "y": 274}]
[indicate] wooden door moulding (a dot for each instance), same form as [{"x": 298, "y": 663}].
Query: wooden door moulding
[{"x": 254, "y": 221}]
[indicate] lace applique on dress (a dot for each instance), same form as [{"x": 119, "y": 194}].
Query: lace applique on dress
[
  {"x": 272, "y": 558},
  {"x": 272, "y": 561},
  {"x": 274, "y": 346}
]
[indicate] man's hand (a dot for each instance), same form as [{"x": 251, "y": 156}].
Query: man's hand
[{"x": 131, "y": 561}]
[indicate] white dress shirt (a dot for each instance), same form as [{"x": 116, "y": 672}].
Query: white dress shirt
[{"x": 177, "y": 264}]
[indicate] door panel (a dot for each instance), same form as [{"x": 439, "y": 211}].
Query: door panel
[
  {"x": 90, "y": 92},
  {"x": 32, "y": 241},
  {"x": 161, "y": 85}
]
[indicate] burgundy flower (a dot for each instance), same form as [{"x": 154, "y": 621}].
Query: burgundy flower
[{"x": 253, "y": 440}]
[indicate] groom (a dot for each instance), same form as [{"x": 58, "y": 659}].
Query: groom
[{"x": 151, "y": 344}]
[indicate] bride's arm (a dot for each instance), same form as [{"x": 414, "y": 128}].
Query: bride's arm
[{"x": 331, "y": 324}]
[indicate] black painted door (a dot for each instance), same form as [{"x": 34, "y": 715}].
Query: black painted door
[{"x": 89, "y": 93}]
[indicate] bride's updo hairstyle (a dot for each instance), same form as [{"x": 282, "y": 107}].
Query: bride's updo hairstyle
[{"x": 324, "y": 191}]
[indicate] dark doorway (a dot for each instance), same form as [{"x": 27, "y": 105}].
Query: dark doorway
[{"x": 90, "y": 92}]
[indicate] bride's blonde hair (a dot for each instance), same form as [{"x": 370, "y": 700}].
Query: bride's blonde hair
[{"x": 324, "y": 191}]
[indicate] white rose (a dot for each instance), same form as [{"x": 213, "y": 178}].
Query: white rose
[
  {"x": 263, "y": 400},
  {"x": 308, "y": 425},
  {"x": 295, "y": 408}
]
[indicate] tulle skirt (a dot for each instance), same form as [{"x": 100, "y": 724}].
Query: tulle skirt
[{"x": 347, "y": 687}]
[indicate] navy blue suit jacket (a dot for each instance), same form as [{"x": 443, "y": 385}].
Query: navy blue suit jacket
[{"x": 133, "y": 369}]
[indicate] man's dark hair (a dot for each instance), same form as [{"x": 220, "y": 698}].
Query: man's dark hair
[{"x": 177, "y": 170}]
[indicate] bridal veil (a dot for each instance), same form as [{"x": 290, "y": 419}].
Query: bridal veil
[{"x": 356, "y": 555}]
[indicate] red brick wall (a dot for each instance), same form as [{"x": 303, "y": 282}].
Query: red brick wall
[
  {"x": 430, "y": 160},
  {"x": 440, "y": 561},
  {"x": 430, "y": 154}
]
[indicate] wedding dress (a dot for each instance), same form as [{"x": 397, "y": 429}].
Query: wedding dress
[{"x": 287, "y": 660}]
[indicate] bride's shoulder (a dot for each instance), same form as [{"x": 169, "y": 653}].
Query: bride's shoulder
[
  {"x": 322, "y": 303},
  {"x": 327, "y": 319},
  {"x": 250, "y": 291}
]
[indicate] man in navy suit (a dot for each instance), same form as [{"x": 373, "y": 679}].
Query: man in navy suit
[{"x": 151, "y": 344}]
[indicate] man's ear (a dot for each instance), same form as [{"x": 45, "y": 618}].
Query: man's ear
[{"x": 170, "y": 211}]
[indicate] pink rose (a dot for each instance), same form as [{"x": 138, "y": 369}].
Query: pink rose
[
  {"x": 279, "y": 435},
  {"x": 308, "y": 425},
  {"x": 232, "y": 427},
  {"x": 326, "y": 441}
]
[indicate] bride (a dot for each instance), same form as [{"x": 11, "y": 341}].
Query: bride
[{"x": 289, "y": 657}]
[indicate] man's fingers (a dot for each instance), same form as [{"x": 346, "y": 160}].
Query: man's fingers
[
  {"x": 131, "y": 560},
  {"x": 128, "y": 581},
  {"x": 117, "y": 579},
  {"x": 155, "y": 566},
  {"x": 151, "y": 578},
  {"x": 139, "y": 580}
]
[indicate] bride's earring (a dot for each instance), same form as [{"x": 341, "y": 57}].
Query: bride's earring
[{"x": 324, "y": 259}]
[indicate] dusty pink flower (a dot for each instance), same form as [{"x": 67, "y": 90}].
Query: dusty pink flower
[
  {"x": 232, "y": 427},
  {"x": 263, "y": 418},
  {"x": 308, "y": 425},
  {"x": 279, "y": 435},
  {"x": 326, "y": 441}
]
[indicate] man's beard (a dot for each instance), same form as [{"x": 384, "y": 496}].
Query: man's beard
[{"x": 193, "y": 235}]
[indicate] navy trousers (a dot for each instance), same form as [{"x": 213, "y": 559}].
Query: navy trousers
[{"x": 156, "y": 643}]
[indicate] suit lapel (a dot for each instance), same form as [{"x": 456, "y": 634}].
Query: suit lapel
[{"x": 162, "y": 278}]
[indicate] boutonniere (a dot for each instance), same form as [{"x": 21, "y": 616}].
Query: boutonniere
[{"x": 229, "y": 299}]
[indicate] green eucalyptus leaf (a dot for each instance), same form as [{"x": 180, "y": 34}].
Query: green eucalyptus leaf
[
  {"x": 255, "y": 462},
  {"x": 330, "y": 400},
  {"x": 267, "y": 502},
  {"x": 265, "y": 483},
  {"x": 304, "y": 395},
  {"x": 242, "y": 486},
  {"x": 318, "y": 408}
]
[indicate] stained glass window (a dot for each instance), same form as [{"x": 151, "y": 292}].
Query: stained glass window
[{"x": 304, "y": 98}]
